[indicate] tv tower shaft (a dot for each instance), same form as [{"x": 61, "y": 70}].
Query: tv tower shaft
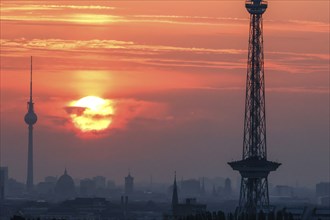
[{"x": 30, "y": 119}]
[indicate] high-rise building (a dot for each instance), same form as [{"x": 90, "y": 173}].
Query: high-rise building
[
  {"x": 129, "y": 184},
  {"x": 99, "y": 182},
  {"x": 51, "y": 179},
  {"x": 254, "y": 166},
  {"x": 3, "y": 182},
  {"x": 191, "y": 187},
  {"x": 175, "y": 198},
  {"x": 111, "y": 184},
  {"x": 203, "y": 186},
  {"x": 87, "y": 187},
  {"x": 228, "y": 188},
  {"x": 30, "y": 119},
  {"x": 322, "y": 189},
  {"x": 283, "y": 191}
]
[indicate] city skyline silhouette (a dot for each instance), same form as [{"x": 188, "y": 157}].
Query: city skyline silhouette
[{"x": 172, "y": 102}]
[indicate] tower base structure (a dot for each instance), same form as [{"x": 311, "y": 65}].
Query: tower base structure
[{"x": 254, "y": 196}]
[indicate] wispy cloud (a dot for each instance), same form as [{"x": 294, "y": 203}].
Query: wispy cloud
[
  {"x": 318, "y": 90},
  {"x": 96, "y": 44},
  {"x": 45, "y": 7},
  {"x": 103, "y": 15},
  {"x": 77, "y": 18},
  {"x": 165, "y": 56},
  {"x": 292, "y": 89}
]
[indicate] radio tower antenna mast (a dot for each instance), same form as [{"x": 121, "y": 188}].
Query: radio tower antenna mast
[{"x": 254, "y": 166}]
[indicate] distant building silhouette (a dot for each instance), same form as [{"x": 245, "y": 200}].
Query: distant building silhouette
[
  {"x": 51, "y": 179},
  {"x": 3, "y": 182},
  {"x": 191, "y": 187},
  {"x": 87, "y": 187},
  {"x": 129, "y": 184},
  {"x": 111, "y": 184},
  {"x": 79, "y": 208},
  {"x": 283, "y": 191},
  {"x": 203, "y": 186},
  {"x": 124, "y": 205},
  {"x": 214, "y": 191},
  {"x": 322, "y": 189},
  {"x": 304, "y": 213},
  {"x": 322, "y": 192},
  {"x": 15, "y": 188},
  {"x": 47, "y": 187},
  {"x": 175, "y": 198},
  {"x": 228, "y": 188},
  {"x": 65, "y": 187},
  {"x": 99, "y": 182},
  {"x": 190, "y": 207}
]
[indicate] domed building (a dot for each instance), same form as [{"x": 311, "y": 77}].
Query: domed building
[{"x": 65, "y": 187}]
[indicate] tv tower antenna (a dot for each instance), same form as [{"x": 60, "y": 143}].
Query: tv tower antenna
[
  {"x": 30, "y": 119},
  {"x": 254, "y": 166}
]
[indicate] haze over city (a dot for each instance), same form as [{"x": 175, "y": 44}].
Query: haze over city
[{"x": 172, "y": 78}]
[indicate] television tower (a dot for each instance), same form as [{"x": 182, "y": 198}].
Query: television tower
[
  {"x": 30, "y": 119},
  {"x": 254, "y": 166}
]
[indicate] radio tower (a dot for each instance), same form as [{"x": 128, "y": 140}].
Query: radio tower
[
  {"x": 254, "y": 166},
  {"x": 30, "y": 119}
]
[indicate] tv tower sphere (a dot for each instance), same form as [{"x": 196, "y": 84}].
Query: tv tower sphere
[{"x": 30, "y": 118}]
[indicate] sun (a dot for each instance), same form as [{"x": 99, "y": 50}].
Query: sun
[{"x": 91, "y": 113}]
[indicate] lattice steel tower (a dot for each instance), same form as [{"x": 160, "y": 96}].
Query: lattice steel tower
[
  {"x": 254, "y": 166},
  {"x": 30, "y": 119}
]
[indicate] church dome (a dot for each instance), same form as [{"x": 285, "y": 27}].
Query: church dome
[{"x": 65, "y": 185}]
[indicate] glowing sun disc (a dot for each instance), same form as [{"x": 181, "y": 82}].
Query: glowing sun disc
[{"x": 91, "y": 113}]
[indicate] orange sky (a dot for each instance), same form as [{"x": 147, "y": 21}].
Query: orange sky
[{"x": 171, "y": 68}]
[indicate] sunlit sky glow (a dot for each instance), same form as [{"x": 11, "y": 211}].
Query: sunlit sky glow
[
  {"x": 172, "y": 75},
  {"x": 91, "y": 113}
]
